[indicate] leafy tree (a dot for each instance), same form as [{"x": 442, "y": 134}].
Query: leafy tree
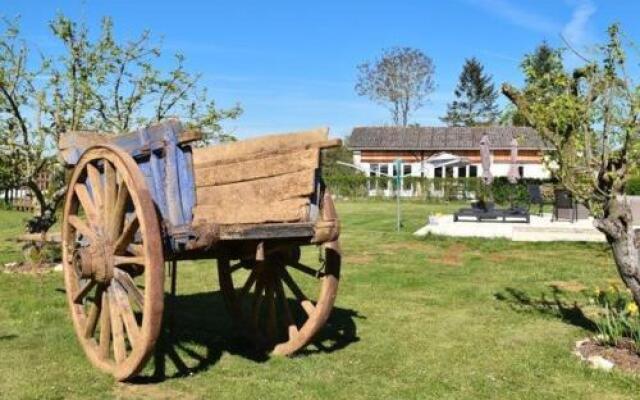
[
  {"x": 476, "y": 97},
  {"x": 545, "y": 61},
  {"x": 401, "y": 79},
  {"x": 590, "y": 118},
  {"x": 100, "y": 85}
]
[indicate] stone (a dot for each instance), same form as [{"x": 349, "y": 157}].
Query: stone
[
  {"x": 58, "y": 268},
  {"x": 599, "y": 362}
]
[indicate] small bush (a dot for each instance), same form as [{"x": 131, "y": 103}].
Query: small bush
[{"x": 619, "y": 317}]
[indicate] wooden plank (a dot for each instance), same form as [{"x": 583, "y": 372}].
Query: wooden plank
[
  {"x": 272, "y": 165},
  {"x": 73, "y": 144},
  {"x": 247, "y": 149},
  {"x": 248, "y": 212},
  {"x": 258, "y": 192},
  {"x": 266, "y": 231}
]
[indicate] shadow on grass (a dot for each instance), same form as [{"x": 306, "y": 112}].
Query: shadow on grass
[
  {"x": 554, "y": 306},
  {"x": 197, "y": 331}
]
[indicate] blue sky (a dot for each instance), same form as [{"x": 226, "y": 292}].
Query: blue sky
[{"x": 292, "y": 64}]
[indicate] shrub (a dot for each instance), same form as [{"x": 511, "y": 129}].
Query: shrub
[{"x": 619, "y": 317}]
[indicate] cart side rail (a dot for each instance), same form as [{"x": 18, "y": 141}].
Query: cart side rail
[{"x": 273, "y": 178}]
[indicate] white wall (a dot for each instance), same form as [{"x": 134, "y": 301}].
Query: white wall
[{"x": 532, "y": 171}]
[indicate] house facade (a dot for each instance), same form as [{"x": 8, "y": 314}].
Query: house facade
[{"x": 376, "y": 148}]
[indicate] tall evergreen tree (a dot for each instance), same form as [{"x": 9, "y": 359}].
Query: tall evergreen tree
[
  {"x": 476, "y": 96},
  {"x": 543, "y": 62},
  {"x": 540, "y": 66}
]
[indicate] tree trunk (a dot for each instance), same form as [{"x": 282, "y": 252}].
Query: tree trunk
[
  {"x": 46, "y": 218},
  {"x": 618, "y": 228}
]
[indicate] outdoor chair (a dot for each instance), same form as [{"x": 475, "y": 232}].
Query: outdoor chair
[
  {"x": 563, "y": 206},
  {"x": 535, "y": 197}
]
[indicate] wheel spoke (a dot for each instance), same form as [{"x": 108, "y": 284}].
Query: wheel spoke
[
  {"x": 292, "y": 329},
  {"x": 235, "y": 267},
  {"x": 257, "y": 300},
  {"x": 127, "y": 236},
  {"x": 105, "y": 327},
  {"x": 93, "y": 315},
  {"x": 109, "y": 194},
  {"x": 125, "y": 260},
  {"x": 127, "y": 283},
  {"x": 84, "y": 290},
  {"x": 87, "y": 203},
  {"x": 96, "y": 189},
  {"x": 248, "y": 284},
  {"x": 81, "y": 227},
  {"x": 119, "y": 211},
  {"x": 119, "y": 349},
  {"x": 295, "y": 289},
  {"x": 307, "y": 270},
  {"x": 271, "y": 310},
  {"x": 130, "y": 324},
  {"x": 135, "y": 249}
]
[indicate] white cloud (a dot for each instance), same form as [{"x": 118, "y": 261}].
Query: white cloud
[
  {"x": 576, "y": 31},
  {"x": 518, "y": 16}
]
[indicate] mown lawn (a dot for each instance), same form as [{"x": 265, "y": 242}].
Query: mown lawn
[{"x": 415, "y": 318}]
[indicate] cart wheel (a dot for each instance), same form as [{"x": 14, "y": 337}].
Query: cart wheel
[
  {"x": 270, "y": 306},
  {"x": 112, "y": 254}
]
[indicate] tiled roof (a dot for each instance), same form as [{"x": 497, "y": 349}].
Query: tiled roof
[{"x": 442, "y": 138}]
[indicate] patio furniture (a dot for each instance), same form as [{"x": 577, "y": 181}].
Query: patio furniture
[
  {"x": 535, "y": 197},
  {"x": 481, "y": 211},
  {"x": 566, "y": 208}
]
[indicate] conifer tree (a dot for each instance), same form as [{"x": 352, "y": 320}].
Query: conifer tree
[{"x": 476, "y": 96}]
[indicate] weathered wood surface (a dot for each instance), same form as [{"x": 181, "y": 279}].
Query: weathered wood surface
[
  {"x": 137, "y": 143},
  {"x": 261, "y": 147},
  {"x": 266, "y": 231},
  {"x": 256, "y": 168},
  {"x": 261, "y": 180}
]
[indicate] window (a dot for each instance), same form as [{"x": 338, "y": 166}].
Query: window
[
  {"x": 406, "y": 170},
  {"x": 394, "y": 169},
  {"x": 521, "y": 171},
  {"x": 473, "y": 171},
  {"x": 384, "y": 169},
  {"x": 449, "y": 172},
  {"x": 462, "y": 172},
  {"x": 437, "y": 172},
  {"x": 373, "y": 170}
]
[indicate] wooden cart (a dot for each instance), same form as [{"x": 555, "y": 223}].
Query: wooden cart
[{"x": 139, "y": 200}]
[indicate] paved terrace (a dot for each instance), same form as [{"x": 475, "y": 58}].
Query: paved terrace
[{"x": 540, "y": 229}]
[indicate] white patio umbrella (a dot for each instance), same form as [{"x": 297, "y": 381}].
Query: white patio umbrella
[
  {"x": 444, "y": 159},
  {"x": 485, "y": 157},
  {"x": 513, "y": 174}
]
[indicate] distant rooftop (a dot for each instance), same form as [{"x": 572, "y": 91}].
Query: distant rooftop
[{"x": 442, "y": 138}]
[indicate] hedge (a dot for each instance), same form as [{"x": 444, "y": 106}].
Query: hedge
[{"x": 501, "y": 190}]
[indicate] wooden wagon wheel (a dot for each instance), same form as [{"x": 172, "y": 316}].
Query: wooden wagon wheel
[
  {"x": 269, "y": 306},
  {"x": 113, "y": 261}
]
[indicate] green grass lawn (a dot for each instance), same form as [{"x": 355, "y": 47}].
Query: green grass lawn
[{"x": 415, "y": 318}]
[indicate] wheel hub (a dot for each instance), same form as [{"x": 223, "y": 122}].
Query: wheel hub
[{"x": 95, "y": 261}]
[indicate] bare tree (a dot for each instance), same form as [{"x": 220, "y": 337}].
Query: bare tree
[{"x": 401, "y": 79}]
